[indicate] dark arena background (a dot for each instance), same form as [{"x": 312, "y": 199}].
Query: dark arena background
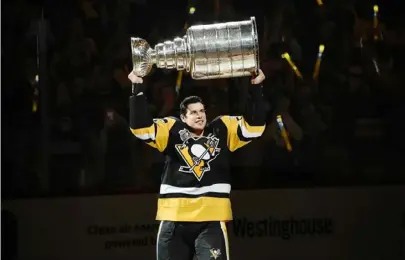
[{"x": 77, "y": 185}]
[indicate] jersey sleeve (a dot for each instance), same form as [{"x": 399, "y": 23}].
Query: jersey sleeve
[
  {"x": 241, "y": 130},
  {"x": 154, "y": 132}
]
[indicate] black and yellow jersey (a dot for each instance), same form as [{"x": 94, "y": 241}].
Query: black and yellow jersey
[{"x": 196, "y": 179}]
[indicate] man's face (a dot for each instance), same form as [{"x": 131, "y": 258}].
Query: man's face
[{"x": 195, "y": 116}]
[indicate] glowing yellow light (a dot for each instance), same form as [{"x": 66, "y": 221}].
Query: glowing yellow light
[
  {"x": 375, "y": 8},
  {"x": 34, "y": 106},
  {"x": 321, "y": 48},
  {"x": 192, "y": 10},
  {"x": 285, "y": 56},
  {"x": 284, "y": 133}
]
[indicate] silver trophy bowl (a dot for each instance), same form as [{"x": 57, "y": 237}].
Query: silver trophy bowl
[{"x": 221, "y": 50}]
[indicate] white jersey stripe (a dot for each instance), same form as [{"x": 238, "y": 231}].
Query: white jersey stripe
[{"x": 218, "y": 188}]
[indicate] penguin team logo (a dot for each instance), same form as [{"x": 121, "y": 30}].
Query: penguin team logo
[
  {"x": 215, "y": 253},
  {"x": 197, "y": 153}
]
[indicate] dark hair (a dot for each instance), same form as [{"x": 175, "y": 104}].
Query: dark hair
[{"x": 187, "y": 101}]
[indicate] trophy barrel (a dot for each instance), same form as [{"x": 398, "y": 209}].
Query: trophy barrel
[{"x": 223, "y": 50}]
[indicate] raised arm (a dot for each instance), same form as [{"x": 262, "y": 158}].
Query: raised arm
[
  {"x": 243, "y": 129},
  {"x": 154, "y": 132}
]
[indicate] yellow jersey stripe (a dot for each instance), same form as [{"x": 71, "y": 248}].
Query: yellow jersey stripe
[
  {"x": 156, "y": 135},
  {"x": 233, "y": 139},
  {"x": 146, "y": 133},
  {"x": 226, "y": 240},
  {"x": 252, "y": 129},
  {"x": 194, "y": 209}
]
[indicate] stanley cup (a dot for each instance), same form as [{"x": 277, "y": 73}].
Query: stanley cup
[{"x": 222, "y": 50}]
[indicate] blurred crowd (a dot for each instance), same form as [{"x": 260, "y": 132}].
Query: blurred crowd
[{"x": 344, "y": 126}]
